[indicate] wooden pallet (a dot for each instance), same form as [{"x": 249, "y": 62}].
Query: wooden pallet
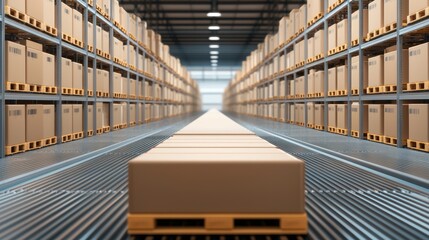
[
  {"x": 90, "y": 133},
  {"x": 310, "y": 125},
  {"x": 77, "y": 42},
  {"x": 67, "y": 91},
  {"x": 78, "y": 91},
  {"x": 217, "y": 224},
  {"x": 389, "y": 88},
  {"x": 374, "y": 90},
  {"x": 301, "y": 124},
  {"x": 391, "y": 27},
  {"x": 374, "y": 34},
  {"x": 90, "y": 48},
  {"x": 393, "y": 141},
  {"x": 319, "y": 127},
  {"x": 332, "y": 93},
  {"x": 314, "y": 19},
  {"x": 118, "y": 25},
  {"x": 120, "y": 62},
  {"x": 132, "y": 96},
  {"x": 418, "y": 145},
  {"x": 341, "y": 93},
  {"x": 35, "y": 145},
  {"x": 375, "y": 137},
  {"x": 341, "y": 48},
  {"x": 332, "y": 129},
  {"x": 416, "y": 86},
  {"x": 355, "y": 42},
  {"x": 90, "y": 3},
  {"x": 67, "y": 38},
  {"x": 133, "y": 68},
  {"x": 318, "y": 57},
  {"x": 310, "y": 60},
  {"x": 17, "y": 148},
  {"x": 99, "y": 131},
  {"x": 116, "y": 127},
  {"x": 17, "y": 15},
  {"x": 342, "y": 131},
  {"x": 99, "y": 93},
  {"x": 132, "y": 37},
  {"x": 106, "y": 129},
  {"x": 67, "y": 138},
  {"x": 49, "y": 141},
  {"x": 42, "y": 89},
  {"x": 336, "y": 4},
  {"x": 356, "y": 134},
  {"x": 36, "y": 24},
  {"x": 106, "y": 55},
  {"x": 99, "y": 52},
  {"x": 78, "y": 135},
  {"x": 90, "y": 93},
  {"x": 17, "y": 87},
  {"x": 422, "y": 14},
  {"x": 332, "y": 51},
  {"x": 299, "y": 96},
  {"x": 50, "y": 30},
  {"x": 355, "y": 91},
  {"x": 132, "y": 124}
]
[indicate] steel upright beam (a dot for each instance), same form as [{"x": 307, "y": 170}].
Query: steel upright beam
[{"x": 3, "y": 83}]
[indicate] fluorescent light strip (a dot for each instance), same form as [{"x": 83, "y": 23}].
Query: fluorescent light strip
[
  {"x": 214, "y": 57},
  {"x": 214, "y": 46},
  {"x": 214, "y": 28},
  {"x": 214, "y": 14},
  {"x": 214, "y": 38},
  {"x": 214, "y": 52}
]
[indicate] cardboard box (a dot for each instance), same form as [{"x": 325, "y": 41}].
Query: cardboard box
[
  {"x": 302, "y": 16},
  {"x": 391, "y": 6},
  {"x": 90, "y": 79},
  {"x": 106, "y": 115},
  {"x": 48, "y": 69},
  {"x": 415, "y": 6},
  {"x": 296, "y": 20},
  {"x": 67, "y": 119},
  {"x": 133, "y": 87},
  {"x": 342, "y": 79},
  {"x": 117, "y": 82},
  {"x": 376, "y": 68},
  {"x": 342, "y": 32},
  {"x": 66, "y": 19},
  {"x": 319, "y": 82},
  {"x": 48, "y": 121},
  {"x": 90, "y": 117},
  {"x": 332, "y": 79},
  {"x": 391, "y": 123},
  {"x": 124, "y": 112},
  {"x": 77, "y": 75},
  {"x": 132, "y": 110},
  {"x": 310, "y": 113},
  {"x": 106, "y": 81},
  {"x": 282, "y": 30},
  {"x": 419, "y": 122},
  {"x": 99, "y": 80},
  {"x": 106, "y": 6},
  {"x": 116, "y": 11},
  {"x": 355, "y": 72},
  {"x": 418, "y": 63},
  {"x": 117, "y": 114},
  {"x": 77, "y": 25},
  {"x": 376, "y": 15},
  {"x": 310, "y": 81},
  {"x": 34, "y": 63},
  {"x": 124, "y": 85},
  {"x": 99, "y": 38},
  {"x": 42, "y": 10},
  {"x": 314, "y": 7},
  {"x": 106, "y": 38},
  {"x": 15, "y": 56},
  {"x": 124, "y": 19},
  {"x": 319, "y": 43},
  {"x": 18, "y": 5},
  {"x": 99, "y": 115},
  {"x": 33, "y": 122},
  {"x": 77, "y": 118},
  {"x": 118, "y": 51},
  {"x": 332, "y": 115},
  {"x": 376, "y": 119},
  {"x": 355, "y": 24},
  {"x": 66, "y": 73},
  {"x": 332, "y": 36},
  {"x": 132, "y": 24},
  {"x": 15, "y": 124},
  {"x": 342, "y": 116},
  {"x": 292, "y": 88},
  {"x": 310, "y": 48},
  {"x": 390, "y": 67},
  {"x": 355, "y": 117}
]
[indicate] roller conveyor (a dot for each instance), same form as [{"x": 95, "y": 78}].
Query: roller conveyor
[{"x": 89, "y": 200}]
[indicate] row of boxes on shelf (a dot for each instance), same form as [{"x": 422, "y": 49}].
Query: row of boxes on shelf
[{"x": 32, "y": 126}]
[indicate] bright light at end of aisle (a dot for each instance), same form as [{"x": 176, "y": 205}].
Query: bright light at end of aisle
[
  {"x": 214, "y": 46},
  {"x": 214, "y": 38},
  {"x": 214, "y": 14},
  {"x": 214, "y": 28},
  {"x": 214, "y": 64}
]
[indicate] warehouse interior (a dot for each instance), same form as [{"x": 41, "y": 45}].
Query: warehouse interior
[{"x": 214, "y": 119}]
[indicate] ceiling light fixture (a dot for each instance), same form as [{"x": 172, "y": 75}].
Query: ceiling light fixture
[
  {"x": 214, "y": 65},
  {"x": 214, "y": 52},
  {"x": 214, "y": 38},
  {"x": 214, "y": 28},
  {"x": 214, "y": 61},
  {"x": 214, "y": 14},
  {"x": 214, "y": 57},
  {"x": 214, "y": 46}
]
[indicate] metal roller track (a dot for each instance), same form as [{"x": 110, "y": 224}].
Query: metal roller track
[{"x": 89, "y": 200}]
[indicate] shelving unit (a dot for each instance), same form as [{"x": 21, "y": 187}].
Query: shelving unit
[
  {"x": 402, "y": 36},
  {"x": 91, "y": 59}
]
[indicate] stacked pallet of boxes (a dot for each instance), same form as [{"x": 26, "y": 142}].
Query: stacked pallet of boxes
[
  {"x": 146, "y": 89},
  {"x": 347, "y": 70}
]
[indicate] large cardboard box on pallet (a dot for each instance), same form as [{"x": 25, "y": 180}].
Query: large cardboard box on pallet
[
  {"x": 290, "y": 25},
  {"x": 342, "y": 32},
  {"x": 124, "y": 113},
  {"x": 106, "y": 115},
  {"x": 342, "y": 119},
  {"x": 35, "y": 9},
  {"x": 33, "y": 122},
  {"x": 391, "y": 123},
  {"x": 99, "y": 80},
  {"x": 391, "y": 66},
  {"x": 133, "y": 87},
  {"x": 332, "y": 79},
  {"x": 418, "y": 63},
  {"x": 116, "y": 12},
  {"x": 133, "y": 24},
  {"x": 124, "y": 85},
  {"x": 355, "y": 71},
  {"x": 124, "y": 19},
  {"x": 77, "y": 25},
  {"x": 77, "y": 75},
  {"x": 419, "y": 122},
  {"x": 332, "y": 36},
  {"x": 310, "y": 81},
  {"x": 314, "y": 7},
  {"x": 15, "y": 55},
  {"x": 376, "y": 68},
  {"x": 415, "y": 6},
  {"x": 355, "y": 24},
  {"x": 77, "y": 118},
  {"x": 48, "y": 69},
  {"x": 118, "y": 49},
  {"x": 117, "y": 83},
  {"x": 117, "y": 114},
  {"x": 107, "y": 6},
  {"x": 303, "y": 16},
  {"x": 99, "y": 38},
  {"x": 106, "y": 42},
  {"x": 99, "y": 115},
  {"x": 376, "y": 15},
  {"x": 310, "y": 48},
  {"x": 67, "y": 119},
  {"x": 355, "y": 117},
  {"x": 48, "y": 120},
  {"x": 132, "y": 110},
  {"x": 15, "y": 124},
  {"x": 310, "y": 113},
  {"x": 66, "y": 19},
  {"x": 34, "y": 62},
  {"x": 90, "y": 117},
  {"x": 90, "y": 79},
  {"x": 106, "y": 81},
  {"x": 332, "y": 115},
  {"x": 319, "y": 42},
  {"x": 18, "y": 5},
  {"x": 391, "y": 8},
  {"x": 319, "y": 82},
  {"x": 66, "y": 73},
  {"x": 342, "y": 78},
  {"x": 376, "y": 119}
]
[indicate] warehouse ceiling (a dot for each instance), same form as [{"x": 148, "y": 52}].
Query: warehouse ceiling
[{"x": 183, "y": 25}]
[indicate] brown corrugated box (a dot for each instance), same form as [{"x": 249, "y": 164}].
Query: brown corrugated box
[
  {"x": 105, "y": 79},
  {"x": 133, "y": 87},
  {"x": 310, "y": 113},
  {"x": 319, "y": 80},
  {"x": 124, "y": 85},
  {"x": 376, "y": 68},
  {"x": 116, "y": 11},
  {"x": 342, "y": 32},
  {"x": 310, "y": 47},
  {"x": 418, "y": 63},
  {"x": 332, "y": 79},
  {"x": 391, "y": 8},
  {"x": 355, "y": 117},
  {"x": 77, "y": 75},
  {"x": 332, "y": 115},
  {"x": 18, "y": 5},
  {"x": 66, "y": 73},
  {"x": 15, "y": 56},
  {"x": 342, "y": 79},
  {"x": 35, "y": 9},
  {"x": 319, "y": 43},
  {"x": 419, "y": 122},
  {"x": 77, "y": 25},
  {"x": 106, "y": 115},
  {"x": 417, "y": 5},
  {"x": 117, "y": 114},
  {"x": 99, "y": 38},
  {"x": 77, "y": 118},
  {"x": 99, "y": 80},
  {"x": 90, "y": 117},
  {"x": 390, "y": 67},
  {"x": 124, "y": 18},
  {"x": 99, "y": 115},
  {"x": 390, "y": 121},
  {"x": 90, "y": 34},
  {"x": 332, "y": 36},
  {"x": 34, "y": 122},
  {"x": 376, "y": 119},
  {"x": 49, "y": 69},
  {"x": 355, "y": 24},
  {"x": 67, "y": 119},
  {"x": 34, "y": 63},
  {"x": 376, "y": 15},
  {"x": 342, "y": 116},
  {"x": 90, "y": 79},
  {"x": 132, "y": 110},
  {"x": 106, "y": 38},
  {"x": 302, "y": 16},
  {"x": 15, "y": 124},
  {"x": 355, "y": 72},
  {"x": 49, "y": 14},
  {"x": 310, "y": 81},
  {"x": 118, "y": 51},
  {"x": 66, "y": 19},
  {"x": 314, "y": 7},
  {"x": 117, "y": 82},
  {"x": 124, "y": 112},
  {"x": 48, "y": 121},
  {"x": 106, "y": 6}
]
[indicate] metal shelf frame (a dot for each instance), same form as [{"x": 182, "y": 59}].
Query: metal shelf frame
[
  {"x": 87, "y": 56},
  {"x": 346, "y": 8}
]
